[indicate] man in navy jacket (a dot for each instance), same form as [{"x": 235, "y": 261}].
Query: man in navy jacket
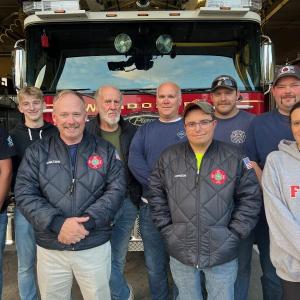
[{"x": 70, "y": 186}]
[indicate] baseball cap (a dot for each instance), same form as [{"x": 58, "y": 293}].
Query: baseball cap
[
  {"x": 204, "y": 106},
  {"x": 224, "y": 81},
  {"x": 287, "y": 70}
]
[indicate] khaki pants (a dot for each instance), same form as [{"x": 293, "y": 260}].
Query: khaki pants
[{"x": 91, "y": 269}]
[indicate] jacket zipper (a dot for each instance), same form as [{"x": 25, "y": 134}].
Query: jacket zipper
[
  {"x": 73, "y": 182},
  {"x": 198, "y": 221},
  {"x": 198, "y": 208},
  {"x": 72, "y": 186}
]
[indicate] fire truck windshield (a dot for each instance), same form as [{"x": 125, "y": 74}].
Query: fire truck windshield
[{"x": 82, "y": 56}]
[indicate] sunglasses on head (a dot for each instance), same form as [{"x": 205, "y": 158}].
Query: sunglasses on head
[{"x": 224, "y": 82}]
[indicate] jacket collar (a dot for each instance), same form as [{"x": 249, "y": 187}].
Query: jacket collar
[
  {"x": 85, "y": 139},
  {"x": 210, "y": 150}
]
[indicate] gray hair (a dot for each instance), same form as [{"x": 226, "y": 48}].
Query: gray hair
[{"x": 99, "y": 91}]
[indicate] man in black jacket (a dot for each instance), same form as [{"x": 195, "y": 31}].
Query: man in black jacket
[
  {"x": 70, "y": 186},
  {"x": 112, "y": 127},
  {"x": 32, "y": 128},
  {"x": 205, "y": 198}
]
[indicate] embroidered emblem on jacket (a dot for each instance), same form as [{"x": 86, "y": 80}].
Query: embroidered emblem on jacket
[
  {"x": 218, "y": 176},
  {"x": 95, "y": 162}
]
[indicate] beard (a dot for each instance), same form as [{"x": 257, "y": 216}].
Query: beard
[
  {"x": 287, "y": 102},
  {"x": 110, "y": 121}
]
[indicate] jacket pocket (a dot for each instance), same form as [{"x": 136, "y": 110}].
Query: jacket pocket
[
  {"x": 223, "y": 245},
  {"x": 175, "y": 235}
]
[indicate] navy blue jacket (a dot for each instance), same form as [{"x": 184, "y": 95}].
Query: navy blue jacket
[{"x": 47, "y": 192}]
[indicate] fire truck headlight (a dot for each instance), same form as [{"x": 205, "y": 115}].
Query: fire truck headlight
[
  {"x": 123, "y": 43},
  {"x": 164, "y": 44}
]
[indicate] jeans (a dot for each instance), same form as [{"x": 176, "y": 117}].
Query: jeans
[
  {"x": 156, "y": 257},
  {"x": 241, "y": 285},
  {"x": 3, "y": 224},
  {"x": 90, "y": 267},
  {"x": 120, "y": 237},
  {"x": 219, "y": 280},
  {"x": 26, "y": 251},
  {"x": 271, "y": 284}
]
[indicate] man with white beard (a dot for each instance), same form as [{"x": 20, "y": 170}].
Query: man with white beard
[{"x": 112, "y": 127}]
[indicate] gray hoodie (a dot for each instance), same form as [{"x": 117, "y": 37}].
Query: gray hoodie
[{"x": 281, "y": 187}]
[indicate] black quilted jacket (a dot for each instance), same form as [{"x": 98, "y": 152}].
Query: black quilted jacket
[
  {"x": 46, "y": 194},
  {"x": 203, "y": 216}
]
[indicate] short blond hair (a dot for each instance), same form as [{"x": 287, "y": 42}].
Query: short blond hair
[{"x": 30, "y": 91}]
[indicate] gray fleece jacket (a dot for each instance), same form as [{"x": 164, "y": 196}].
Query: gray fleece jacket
[{"x": 281, "y": 187}]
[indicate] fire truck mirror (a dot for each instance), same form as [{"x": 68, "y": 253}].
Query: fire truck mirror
[
  {"x": 267, "y": 62},
  {"x": 19, "y": 66}
]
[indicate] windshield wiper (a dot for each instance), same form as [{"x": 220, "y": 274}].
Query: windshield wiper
[
  {"x": 139, "y": 91},
  {"x": 88, "y": 92},
  {"x": 195, "y": 90},
  {"x": 78, "y": 90}
]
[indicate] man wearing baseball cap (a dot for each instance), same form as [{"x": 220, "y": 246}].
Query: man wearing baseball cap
[
  {"x": 265, "y": 133},
  {"x": 232, "y": 123},
  {"x": 232, "y": 127},
  {"x": 204, "y": 198}
]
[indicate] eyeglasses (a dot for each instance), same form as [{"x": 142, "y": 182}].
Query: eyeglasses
[{"x": 202, "y": 124}]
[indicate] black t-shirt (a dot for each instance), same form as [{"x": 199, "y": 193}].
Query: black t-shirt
[{"x": 7, "y": 149}]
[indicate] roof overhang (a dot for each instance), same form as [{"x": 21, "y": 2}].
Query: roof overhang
[{"x": 282, "y": 23}]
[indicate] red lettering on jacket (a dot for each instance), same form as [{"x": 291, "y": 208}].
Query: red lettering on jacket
[{"x": 294, "y": 190}]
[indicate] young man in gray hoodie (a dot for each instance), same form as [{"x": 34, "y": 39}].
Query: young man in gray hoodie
[{"x": 281, "y": 187}]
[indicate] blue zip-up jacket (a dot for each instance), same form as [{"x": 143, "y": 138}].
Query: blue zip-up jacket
[{"x": 47, "y": 192}]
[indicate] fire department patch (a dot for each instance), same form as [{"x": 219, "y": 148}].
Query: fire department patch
[
  {"x": 218, "y": 176},
  {"x": 95, "y": 162}
]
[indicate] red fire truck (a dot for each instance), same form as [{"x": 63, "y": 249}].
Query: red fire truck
[{"x": 136, "y": 50}]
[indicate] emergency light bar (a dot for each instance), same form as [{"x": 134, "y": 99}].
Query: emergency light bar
[
  {"x": 51, "y": 5},
  {"x": 66, "y": 6},
  {"x": 254, "y": 5}
]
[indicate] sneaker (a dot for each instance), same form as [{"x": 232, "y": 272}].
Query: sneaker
[{"x": 131, "y": 294}]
